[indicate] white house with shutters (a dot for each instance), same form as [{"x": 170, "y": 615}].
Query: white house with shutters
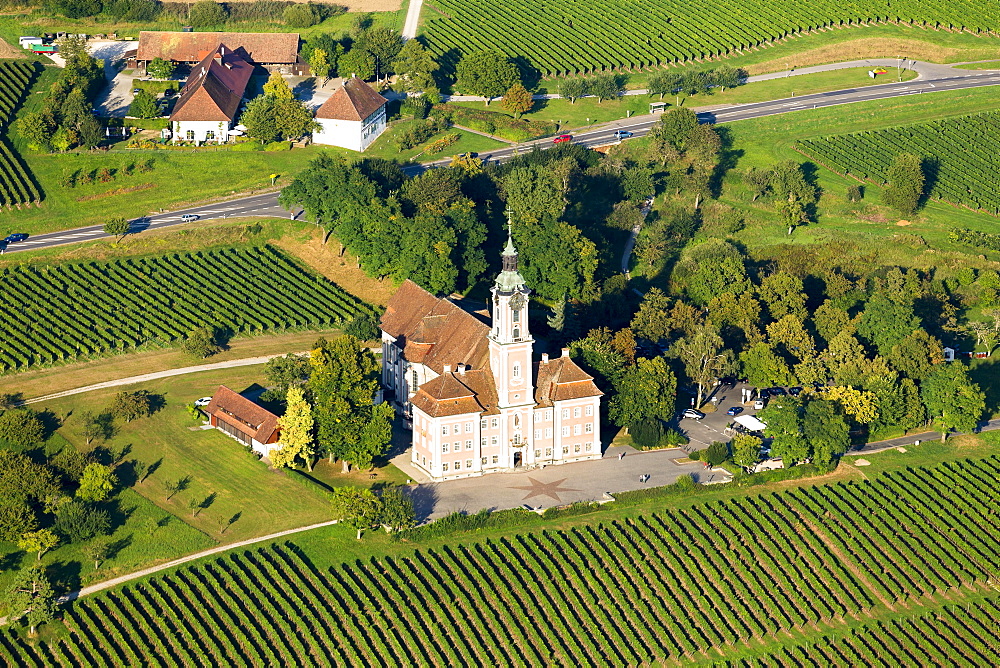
[{"x": 353, "y": 117}]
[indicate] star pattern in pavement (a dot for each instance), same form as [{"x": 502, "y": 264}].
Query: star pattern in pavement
[{"x": 549, "y": 489}]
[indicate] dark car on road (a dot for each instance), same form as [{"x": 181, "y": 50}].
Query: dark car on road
[
  {"x": 734, "y": 411},
  {"x": 14, "y": 238}
]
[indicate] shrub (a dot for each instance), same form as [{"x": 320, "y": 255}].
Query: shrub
[
  {"x": 78, "y": 522},
  {"x": 648, "y": 433},
  {"x": 207, "y": 13},
  {"x": 854, "y": 193},
  {"x": 302, "y": 15},
  {"x": 717, "y": 453}
]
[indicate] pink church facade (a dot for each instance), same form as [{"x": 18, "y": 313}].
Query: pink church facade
[{"x": 477, "y": 400}]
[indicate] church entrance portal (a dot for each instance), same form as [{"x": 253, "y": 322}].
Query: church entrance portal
[{"x": 517, "y": 459}]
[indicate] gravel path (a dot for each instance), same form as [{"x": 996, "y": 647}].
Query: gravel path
[
  {"x": 412, "y": 19},
  {"x": 131, "y": 380}
]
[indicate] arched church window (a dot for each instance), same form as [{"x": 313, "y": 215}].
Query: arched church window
[{"x": 517, "y": 333}]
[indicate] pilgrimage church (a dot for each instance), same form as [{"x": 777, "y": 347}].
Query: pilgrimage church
[{"x": 477, "y": 400}]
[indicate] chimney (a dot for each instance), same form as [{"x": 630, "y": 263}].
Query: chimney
[
  {"x": 447, "y": 368},
  {"x": 565, "y": 352},
  {"x": 461, "y": 369},
  {"x": 545, "y": 358}
]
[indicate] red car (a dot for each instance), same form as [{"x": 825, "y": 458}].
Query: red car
[{"x": 561, "y": 138}]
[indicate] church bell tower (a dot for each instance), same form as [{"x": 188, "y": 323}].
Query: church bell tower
[{"x": 510, "y": 339}]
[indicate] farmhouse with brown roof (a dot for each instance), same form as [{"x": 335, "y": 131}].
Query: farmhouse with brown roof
[
  {"x": 251, "y": 424},
  {"x": 475, "y": 399},
  {"x": 353, "y": 117},
  {"x": 272, "y": 51},
  {"x": 211, "y": 98}
]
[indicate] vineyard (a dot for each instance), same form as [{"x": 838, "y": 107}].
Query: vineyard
[
  {"x": 952, "y": 636},
  {"x": 563, "y": 36},
  {"x": 16, "y": 184},
  {"x": 61, "y": 312},
  {"x": 730, "y": 575},
  {"x": 960, "y": 157}
]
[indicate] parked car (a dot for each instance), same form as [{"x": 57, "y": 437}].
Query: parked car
[
  {"x": 777, "y": 392},
  {"x": 692, "y": 413},
  {"x": 795, "y": 391},
  {"x": 469, "y": 155},
  {"x": 136, "y": 91},
  {"x": 561, "y": 138},
  {"x": 188, "y": 217},
  {"x": 759, "y": 404},
  {"x": 14, "y": 238},
  {"x": 623, "y": 134},
  {"x": 734, "y": 411},
  {"x": 204, "y": 401}
]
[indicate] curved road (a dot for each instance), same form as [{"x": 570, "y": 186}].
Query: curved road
[{"x": 941, "y": 78}]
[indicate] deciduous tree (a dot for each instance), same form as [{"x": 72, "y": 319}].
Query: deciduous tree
[
  {"x": 296, "y": 432},
  {"x": 21, "y": 427},
  {"x": 117, "y": 227},
  {"x": 97, "y": 483},
  {"x": 396, "y": 510},
  {"x": 783, "y": 417},
  {"x": 953, "y": 401},
  {"x": 646, "y": 390},
  {"x": 825, "y": 430},
  {"x": 746, "y": 450},
  {"x": 31, "y": 598},
  {"x": 143, "y": 106},
  {"x": 487, "y": 72},
  {"x": 97, "y": 550},
  {"x": 517, "y": 100},
  {"x": 704, "y": 357},
  {"x": 158, "y": 68},
  {"x": 416, "y": 66},
  {"x": 40, "y": 542},
  {"x": 573, "y": 88},
  {"x": 277, "y": 88},
  {"x": 358, "y": 507},
  {"x": 129, "y": 406}
]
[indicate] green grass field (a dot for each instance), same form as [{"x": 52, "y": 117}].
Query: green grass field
[{"x": 758, "y": 575}]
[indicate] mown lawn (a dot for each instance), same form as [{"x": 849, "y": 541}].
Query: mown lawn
[{"x": 262, "y": 500}]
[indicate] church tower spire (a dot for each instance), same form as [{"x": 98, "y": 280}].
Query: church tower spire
[{"x": 510, "y": 339}]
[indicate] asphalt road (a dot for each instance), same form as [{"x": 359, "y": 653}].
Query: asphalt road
[{"x": 266, "y": 204}]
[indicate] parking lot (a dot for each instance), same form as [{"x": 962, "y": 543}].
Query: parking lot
[{"x": 712, "y": 427}]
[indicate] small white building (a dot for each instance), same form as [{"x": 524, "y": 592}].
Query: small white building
[
  {"x": 29, "y": 42},
  {"x": 249, "y": 423},
  {"x": 211, "y": 98},
  {"x": 353, "y": 117}
]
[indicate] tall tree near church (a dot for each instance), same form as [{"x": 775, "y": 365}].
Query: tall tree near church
[
  {"x": 343, "y": 382},
  {"x": 296, "y": 431},
  {"x": 704, "y": 357},
  {"x": 953, "y": 401}
]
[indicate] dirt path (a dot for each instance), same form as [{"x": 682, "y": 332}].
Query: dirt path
[
  {"x": 412, "y": 19},
  {"x": 131, "y": 380},
  {"x": 114, "y": 582}
]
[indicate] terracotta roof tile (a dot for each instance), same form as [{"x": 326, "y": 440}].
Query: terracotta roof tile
[
  {"x": 455, "y": 393},
  {"x": 434, "y": 331},
  {"x": 246, "y": 416},
  {"x": 560, "y": 379},
  {"x": 190, "y": 47},
  {"x": 354, "y": 101},
  {"x": 215, "y": 88}
]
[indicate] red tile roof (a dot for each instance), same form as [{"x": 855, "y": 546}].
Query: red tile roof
[
  {"x": 434, "y": 331},
  {"x": 354, "y": 101},
  {"x": 252, "y": 419},
  {"x": 215, "y": 88},
  {"x": 561, "y": 379},
  {"x": 191, "y": 47}
]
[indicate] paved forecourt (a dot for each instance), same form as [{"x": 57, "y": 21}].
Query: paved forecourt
[{"x": 555, "y": 485}]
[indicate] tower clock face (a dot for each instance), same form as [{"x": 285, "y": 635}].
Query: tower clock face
[{"x": 517, "y": 301}]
